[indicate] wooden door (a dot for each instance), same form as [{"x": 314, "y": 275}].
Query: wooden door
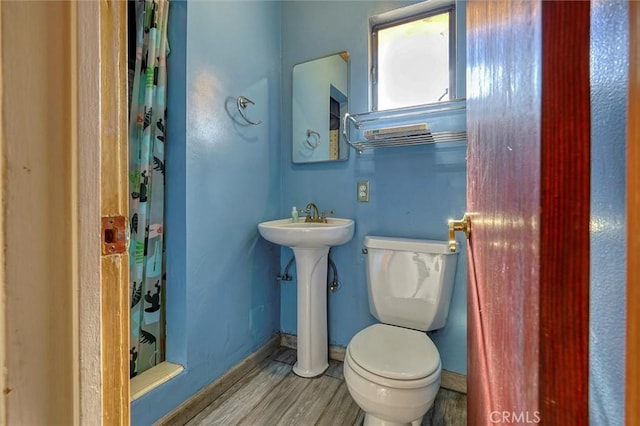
[{"x": 528, "y": 194}]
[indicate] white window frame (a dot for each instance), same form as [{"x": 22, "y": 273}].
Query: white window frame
[{"x": 408, "y": 14}]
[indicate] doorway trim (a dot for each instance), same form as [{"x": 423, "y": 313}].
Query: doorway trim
[{"x": 101, "y": 78}]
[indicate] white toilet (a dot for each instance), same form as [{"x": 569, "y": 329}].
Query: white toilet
[{"x": 392, "y": 370}]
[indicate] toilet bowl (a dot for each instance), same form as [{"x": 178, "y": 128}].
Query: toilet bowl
[
  {"x": 393, "y": 374},
  {"x": 393, "y": 369}
]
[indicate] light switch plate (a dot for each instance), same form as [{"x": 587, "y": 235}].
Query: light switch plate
[{"x": 363, "y": 191}]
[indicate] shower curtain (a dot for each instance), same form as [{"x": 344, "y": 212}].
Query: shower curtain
[{"x": 147, "y": 124}]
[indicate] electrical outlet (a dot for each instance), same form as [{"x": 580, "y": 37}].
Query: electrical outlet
[{"x": 363, "y": 191}]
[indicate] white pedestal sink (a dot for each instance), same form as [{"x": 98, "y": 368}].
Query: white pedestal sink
[{"x": 310, "y": 243}]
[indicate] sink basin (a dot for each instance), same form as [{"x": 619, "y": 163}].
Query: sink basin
[
  {"x": 307, "y": 234},
  {"x": 310, "y": 243}
]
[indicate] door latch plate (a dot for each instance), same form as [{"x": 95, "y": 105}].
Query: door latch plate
[{"x": 114, "y": 235}]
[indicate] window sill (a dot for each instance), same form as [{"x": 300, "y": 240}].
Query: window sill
[{"x": 152, "y": 378}]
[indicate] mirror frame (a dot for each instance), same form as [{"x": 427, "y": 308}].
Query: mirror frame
[{"x": 309, "y": 137}]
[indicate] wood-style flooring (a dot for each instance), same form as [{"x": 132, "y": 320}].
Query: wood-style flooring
[{"x": 272, "y": 395}]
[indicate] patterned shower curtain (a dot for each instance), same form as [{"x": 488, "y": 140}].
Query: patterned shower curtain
[{"x": 146, "y": 186}]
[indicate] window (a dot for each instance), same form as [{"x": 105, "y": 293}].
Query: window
[{"x": 413, "y": 59}]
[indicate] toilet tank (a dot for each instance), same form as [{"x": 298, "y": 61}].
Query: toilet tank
[{"x": 410, "y": 281}]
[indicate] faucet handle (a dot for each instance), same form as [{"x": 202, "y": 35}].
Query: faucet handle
[{"x": 323, "y": 215}]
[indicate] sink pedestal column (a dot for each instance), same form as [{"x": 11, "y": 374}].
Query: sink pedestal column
[{"x": 313, "y": 345}]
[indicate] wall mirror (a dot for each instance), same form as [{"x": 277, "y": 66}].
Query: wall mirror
[{"x": 319, "y": 102}]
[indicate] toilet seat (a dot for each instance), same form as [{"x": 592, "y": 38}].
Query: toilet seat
[{"x": 394, "y": 356}]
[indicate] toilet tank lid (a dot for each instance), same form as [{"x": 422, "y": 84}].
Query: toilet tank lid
[{"x": 407, "y": 244}]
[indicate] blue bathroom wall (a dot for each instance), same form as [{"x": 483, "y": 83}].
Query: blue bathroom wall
[
  {"x": 609, "y": 81},
  {"x": 223, "y": 178},
  {"x": 413, "y": 190}
]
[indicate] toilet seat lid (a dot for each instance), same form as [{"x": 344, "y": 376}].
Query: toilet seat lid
[{"x": 394, "y": 352}]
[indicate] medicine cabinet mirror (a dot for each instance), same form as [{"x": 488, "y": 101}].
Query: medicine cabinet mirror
[{"x": 319, "y": 101}]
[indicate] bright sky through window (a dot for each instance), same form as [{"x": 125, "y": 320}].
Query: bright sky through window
[{"x": 413, "y": 62}]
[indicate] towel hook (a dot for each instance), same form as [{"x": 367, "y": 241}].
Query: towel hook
[
  {"x": 242, "y": 103},
  {"x": 313, "y": 139}
]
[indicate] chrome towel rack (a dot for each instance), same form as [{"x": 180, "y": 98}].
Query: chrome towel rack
[
  {"x": 242, "y": 102},
  {"x": 313, "y": 139},
  {"x": 423, "y": 124}
]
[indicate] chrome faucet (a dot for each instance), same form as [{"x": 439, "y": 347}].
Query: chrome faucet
[{"x": 312, "y": 218}]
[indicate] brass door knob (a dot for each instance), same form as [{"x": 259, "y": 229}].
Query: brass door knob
[{"x": 463, "y": 225}]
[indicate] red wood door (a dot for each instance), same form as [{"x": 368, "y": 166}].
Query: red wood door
[{"x": 528, "y": 195}]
